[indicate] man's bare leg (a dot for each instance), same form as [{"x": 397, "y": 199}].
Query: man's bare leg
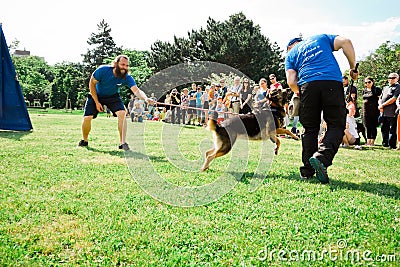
[
  {"x": 122, "y": 126},
  {"x": 86, "y": 127}
]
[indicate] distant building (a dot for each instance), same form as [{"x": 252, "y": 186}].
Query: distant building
[{"x": 21, "y": 53}]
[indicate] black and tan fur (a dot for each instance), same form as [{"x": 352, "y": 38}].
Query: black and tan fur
[{"x": 258, "y": 125}]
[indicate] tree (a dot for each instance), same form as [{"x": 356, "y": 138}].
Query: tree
[
  {"x": 14, "y": 45},
  {"x": 380, "y": 63},
  {"x": 164, "y": 54},
  {"x": 236, "y": 42},
  {"x": 34, "y": 76},
  {"x": 68, "y": 84},
  {"x": 102, "y": 47}
]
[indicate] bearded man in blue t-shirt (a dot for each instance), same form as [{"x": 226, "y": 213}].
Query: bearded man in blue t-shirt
[
  {"x": 312, "y": 70},
  {"x": 104, "y": 86}
]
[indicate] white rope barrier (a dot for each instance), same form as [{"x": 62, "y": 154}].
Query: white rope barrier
[{"x": 202, "y": 109}]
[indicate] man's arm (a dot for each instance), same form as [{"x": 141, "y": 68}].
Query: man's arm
[
  {"x": 348, "y": 50},
  {"x": 92, "y": 89},
  {"x": 387, "y": 103},
  {"x": 139, "y": 93},
  {"x": 291, "y": 78}
]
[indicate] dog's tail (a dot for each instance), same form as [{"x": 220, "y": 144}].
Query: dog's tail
[{"x": 212, "y": 125}]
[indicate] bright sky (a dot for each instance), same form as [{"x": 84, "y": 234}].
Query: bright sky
[{"x": 58, "y": 30}]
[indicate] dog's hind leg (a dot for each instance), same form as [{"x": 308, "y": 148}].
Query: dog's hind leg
[
  {"x": 210, "y": 156},
  {"x": 209, "y": 152},
  {"x": 214, "y": 153},
  {"x": 221, "y": 147},
  {"x": 276, "y": 141}
]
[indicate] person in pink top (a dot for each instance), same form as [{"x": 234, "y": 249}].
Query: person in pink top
[{"x": 274, "y": 83}]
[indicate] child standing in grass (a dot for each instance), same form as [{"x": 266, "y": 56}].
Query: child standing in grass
[{"x": 220, "y": 109}]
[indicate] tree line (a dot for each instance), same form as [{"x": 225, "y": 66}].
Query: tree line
[{"x": 236, "y": 42}]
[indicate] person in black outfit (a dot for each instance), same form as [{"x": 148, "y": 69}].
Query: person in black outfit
[
  {"x": 222, "y": 88},
  {"x": 348, "y": 90},
  {"x": 245, "y": 97},
  {"x": 370, "y": 111},
  {"x": 387, "y": 106},
  {"x": 176, "y": 111}
]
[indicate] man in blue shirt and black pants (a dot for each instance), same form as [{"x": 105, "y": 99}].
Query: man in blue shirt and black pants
[{"x": 312, "y": 70}]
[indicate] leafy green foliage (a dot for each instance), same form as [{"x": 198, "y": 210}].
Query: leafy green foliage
[
  {"x": 14, "y": 44},
  {"x": 68, "y": 84},
  {"x": 102, "y": 46},
  {"x": 34, "y": 76},
  {"x": 380, "y": 63},
  {"x": 236, "y": 42}
]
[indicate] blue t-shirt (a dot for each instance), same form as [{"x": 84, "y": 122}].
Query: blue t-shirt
[
  {"x": 198, "y": 98},
  {"x": 108, "y": 84},
  {"x": 313, "y": 59}
]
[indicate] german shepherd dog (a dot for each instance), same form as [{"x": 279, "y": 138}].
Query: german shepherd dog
[{"x": 261, "y": 124}]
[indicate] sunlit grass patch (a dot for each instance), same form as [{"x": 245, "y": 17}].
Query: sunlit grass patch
[{"x": 65, "y": 205}]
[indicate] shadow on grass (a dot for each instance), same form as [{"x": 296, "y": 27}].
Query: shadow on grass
[
  {"x": 141, "y": 156},
  {"x": 15, "y": 135},
  {"x": 246, "y": 177},
  {"x": 380, "y": 189},
  {"x": 158, "y": 159},
  {"x": 110, "y": 152}
]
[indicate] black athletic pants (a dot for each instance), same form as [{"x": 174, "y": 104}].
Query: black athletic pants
[
  {"x": 389, "y": 131},
  {"x": 326, "y": 97}
]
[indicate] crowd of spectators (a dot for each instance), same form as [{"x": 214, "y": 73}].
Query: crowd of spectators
[{"x": 195, "y": 105}]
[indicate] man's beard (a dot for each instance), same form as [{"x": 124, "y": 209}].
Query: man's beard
[{"x": 119, "y": 73}]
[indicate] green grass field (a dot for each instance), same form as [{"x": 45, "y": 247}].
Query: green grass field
[{"x": 61, "y": 205}]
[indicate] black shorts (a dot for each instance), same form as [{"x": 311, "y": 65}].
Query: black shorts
[
  {"x": 190, "y": 110},
  {"x": 114, "y": 103}
]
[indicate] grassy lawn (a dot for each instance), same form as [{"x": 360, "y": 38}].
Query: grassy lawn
[{"x": 64, "y": 205}]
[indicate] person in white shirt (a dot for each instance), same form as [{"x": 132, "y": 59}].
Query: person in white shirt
[{"x": 351, "y": 136}]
